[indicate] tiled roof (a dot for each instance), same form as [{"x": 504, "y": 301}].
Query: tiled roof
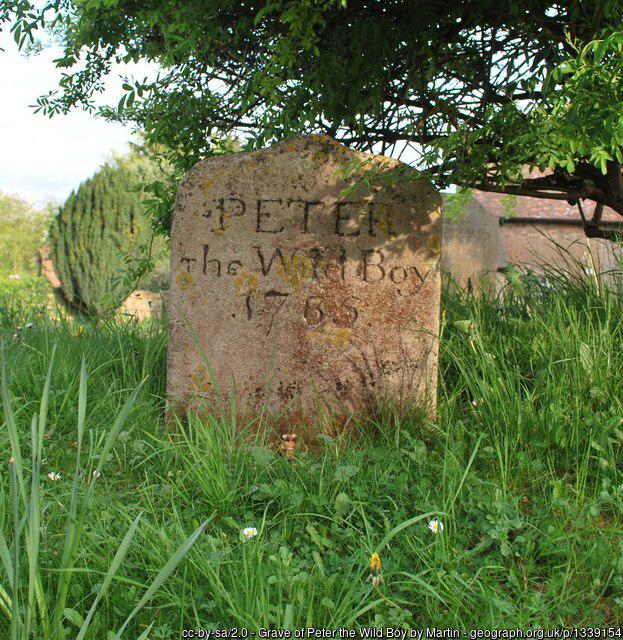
[{"x": 526, "y": 207}]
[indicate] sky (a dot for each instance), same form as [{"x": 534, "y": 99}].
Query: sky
[{"x": 43, "y": 158}]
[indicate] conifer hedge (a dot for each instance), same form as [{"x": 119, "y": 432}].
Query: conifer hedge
[{"x": 98, "y": 231}]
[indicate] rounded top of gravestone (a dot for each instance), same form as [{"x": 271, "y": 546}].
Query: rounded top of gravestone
[{"x": 369, "y": 171}]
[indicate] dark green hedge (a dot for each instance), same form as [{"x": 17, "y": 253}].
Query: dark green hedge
[{"x": 98, "y": 230}]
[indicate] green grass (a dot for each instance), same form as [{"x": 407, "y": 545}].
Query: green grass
[{"x": 523, "y": 468}]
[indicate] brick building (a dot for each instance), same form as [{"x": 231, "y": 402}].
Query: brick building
[{"x": 532, "y": 233}]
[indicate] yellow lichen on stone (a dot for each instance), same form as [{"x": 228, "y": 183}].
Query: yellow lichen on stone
[
  {"x": 200, "y": 378},
  {"x": 185, "y": 280},
  {"x": 385, "y": 220},
  {"x": 295, "y": 270},
  {"x": 206, "y": 186},
  {"x": 318, "y": 337},
  {"x": 338, "y": 338},
  {"x": 245, "y": 283},
  {"x": 434, "y": 243},
  {"x": 341, "y": 336},
  {"x": 225, "y": 223}
]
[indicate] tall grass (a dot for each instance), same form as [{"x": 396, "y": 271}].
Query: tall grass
[
  {"x": 34, "y": 604},
  {"x": 522, "y": 468}
]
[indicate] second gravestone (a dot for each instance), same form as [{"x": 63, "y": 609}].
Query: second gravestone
[{"x": 297, "y": 297}]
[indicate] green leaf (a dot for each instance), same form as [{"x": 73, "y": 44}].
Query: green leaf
[
  {"x": 345, "y": 471},
  {"x": 600, "y": 50},
  {"x": 342, "y": 504},
  {"x": 398, "y": 528},
  {"x": 74, "y": 617},
  {"x": 145, "y": 633}
]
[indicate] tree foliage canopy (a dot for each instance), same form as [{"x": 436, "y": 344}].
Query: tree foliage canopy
[
  {"x": 23, "y": 231},
  {"x": 470, "y": 91}
]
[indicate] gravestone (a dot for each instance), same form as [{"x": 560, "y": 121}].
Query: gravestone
[
  {"x": 296, "y": 296},
  {"x": 471, "y": 247}
]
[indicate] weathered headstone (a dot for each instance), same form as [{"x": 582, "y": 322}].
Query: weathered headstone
[
  {"x": 471, "y": 246},
  {"x": 293, "y": 295}
]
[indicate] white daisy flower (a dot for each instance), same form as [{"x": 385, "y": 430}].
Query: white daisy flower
[
  {"x": 53, "y": 476},
  {"x": 249, "y": 532},
  {"x": 435, "y": 526},
  {"x": 96, "y": 474}
]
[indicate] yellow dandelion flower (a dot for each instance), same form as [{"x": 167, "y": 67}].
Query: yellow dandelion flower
[{"x": 375, "y": 562}]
